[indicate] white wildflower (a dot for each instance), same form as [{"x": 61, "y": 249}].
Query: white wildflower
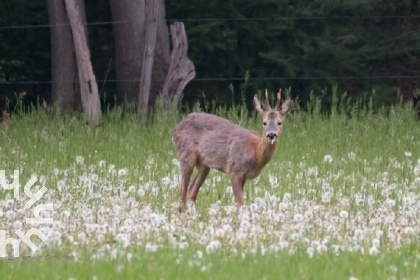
[
  {"x": 94, "y": 177},
  {"x": 102, "y": 163},
  {"x": 313, "y": 171},
  {"x": 10, "y": 215},
  {"x": 129, "y": 257},
  {"x": 390, "y": 202},
  {"x": 416, "y": 170},
  {"x": 166, "y": 180},
  {"x": 328, "y": 158},
  {"x": 9, "y": 203},
  {"x": 376, "y": 243},
  {"x": 17, "y": 225},
  {"x": 344, "y": 214},
  {"x": 393, "y": 268},
  {"x": 150, "y": 247},
  {"x": 273, "y": 180},
  {"x": 326, "y": 197},
  {"x": 141, "y": 192},
  {"x": 298, "y": 218},
  {"x": 213, "y": 211},
  {"x": 175, "y": 162},
  {"x": 80, "y": 159},
  {"x": 310, "y": 252},
  {"x": 409, "y": 230},
  {"x": 287, "y": 197},
  {"x": 155, "y": 191},
  {"x": 213, "y": 246},
  {"x": 199, "y": 254},
  {"x": 219, "y": 233},
  {"x": 373, "y": 250},
  {"x": 122, "y": 172},
  {"x": 351, "y": 155}
]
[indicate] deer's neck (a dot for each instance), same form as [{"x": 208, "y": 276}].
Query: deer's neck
[{"x": 264, "y": 151}]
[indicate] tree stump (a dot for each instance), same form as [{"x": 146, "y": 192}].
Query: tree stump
[{"x": 181, "y": 68}]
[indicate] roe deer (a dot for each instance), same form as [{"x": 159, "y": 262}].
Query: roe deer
[{"x": 209, "y": 142}]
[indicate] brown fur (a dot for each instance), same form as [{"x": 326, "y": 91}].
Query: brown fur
[{"x": 206, "y": 141}]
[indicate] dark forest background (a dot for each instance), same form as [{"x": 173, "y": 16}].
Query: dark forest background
[{"x": 361, "y": 46}]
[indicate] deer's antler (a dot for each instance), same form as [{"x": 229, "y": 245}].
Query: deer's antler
[{"x": 278, "y": 100}]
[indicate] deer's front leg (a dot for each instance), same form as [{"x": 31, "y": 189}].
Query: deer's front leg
[{"x": 238, "y": 189}]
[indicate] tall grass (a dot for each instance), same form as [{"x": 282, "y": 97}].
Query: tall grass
[{"x": 344, "y": 177}]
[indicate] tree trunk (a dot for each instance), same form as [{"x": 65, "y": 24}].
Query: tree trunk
[
  {"x": 181, "y": 69},
  {"x": 148, "y": 57},
  {"x": 63, "y": 62},
  {"x": 162, "y": 55},
  {"x": 87, "y": 81},
  {"x": 129, "y": 17}
]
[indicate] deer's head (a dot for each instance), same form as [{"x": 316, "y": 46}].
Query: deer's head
[{"x": 272, "y": 118}]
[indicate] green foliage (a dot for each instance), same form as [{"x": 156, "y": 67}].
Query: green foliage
[
  {"x": 173, "y": 265},
  {"x": 304, "y": 45},
  {"x": 372, "y": 149}
]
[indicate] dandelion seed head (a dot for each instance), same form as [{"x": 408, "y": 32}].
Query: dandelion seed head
[
  {"x": 351, "y": 155},
  {"x": 80, "y": 160},
  {"x": 328, "y": 159},
  {"x": 213, "y": 246},
  {"x": 166, "y": 180},
  {"x": 344, "y": 214}
]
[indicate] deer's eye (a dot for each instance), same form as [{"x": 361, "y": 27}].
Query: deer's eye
[
  {"x": 264, "y": 123},
  {"x": 279, "y": 123}
]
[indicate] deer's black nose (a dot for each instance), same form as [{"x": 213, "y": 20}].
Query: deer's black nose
[{"x": 271, "y": 135}]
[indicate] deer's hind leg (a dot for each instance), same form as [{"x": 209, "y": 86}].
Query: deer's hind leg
[
  {"x": 202, "y": 172},
  {"x": 187, "y": 166}
]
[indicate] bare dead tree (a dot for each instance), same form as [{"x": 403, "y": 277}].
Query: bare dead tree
[
  {"x": 144, "y": 65},
  {"x": 87, "y": 81},
  {"x": 181, "y": 69},
  {"x": 148, "y": 57}
]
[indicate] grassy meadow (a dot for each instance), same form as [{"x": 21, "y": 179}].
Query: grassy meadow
[{"x": 339, "y": 200}]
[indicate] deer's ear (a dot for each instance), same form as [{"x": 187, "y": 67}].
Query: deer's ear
[
  {"x": 258, "y": 105},
  {"x": 285, "y": 107}
]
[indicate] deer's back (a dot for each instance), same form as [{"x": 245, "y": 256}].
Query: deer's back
[{"x": 211, "y": 139}]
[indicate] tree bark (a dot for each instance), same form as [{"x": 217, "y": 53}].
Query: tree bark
[
  {"x": 87, "y": 81},
  {"x": 181, "y": 69},
  {"x": 162, "y": 55},
  {"x": 148, "y": 57},
  {"x": 64, "y": 92},
  {"x": 129, "y": 17}
]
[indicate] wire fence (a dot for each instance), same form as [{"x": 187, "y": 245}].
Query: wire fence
[
  {"x": 288, "y": 18},
  {"x": 227, "y": 79},
  {"x": 232, "y": 79}
]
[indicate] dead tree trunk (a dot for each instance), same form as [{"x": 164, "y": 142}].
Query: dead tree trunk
[
  {"x": 64, "y": 92},
  {"x": 87, "y": 81},
  {"x": 130, "y": 17},
  {"x": 128, "y": 27},
  {"x": 148, "y": 57},
  {"x": 162, "y": 55},
  {"x": 181, "y": 69}
]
